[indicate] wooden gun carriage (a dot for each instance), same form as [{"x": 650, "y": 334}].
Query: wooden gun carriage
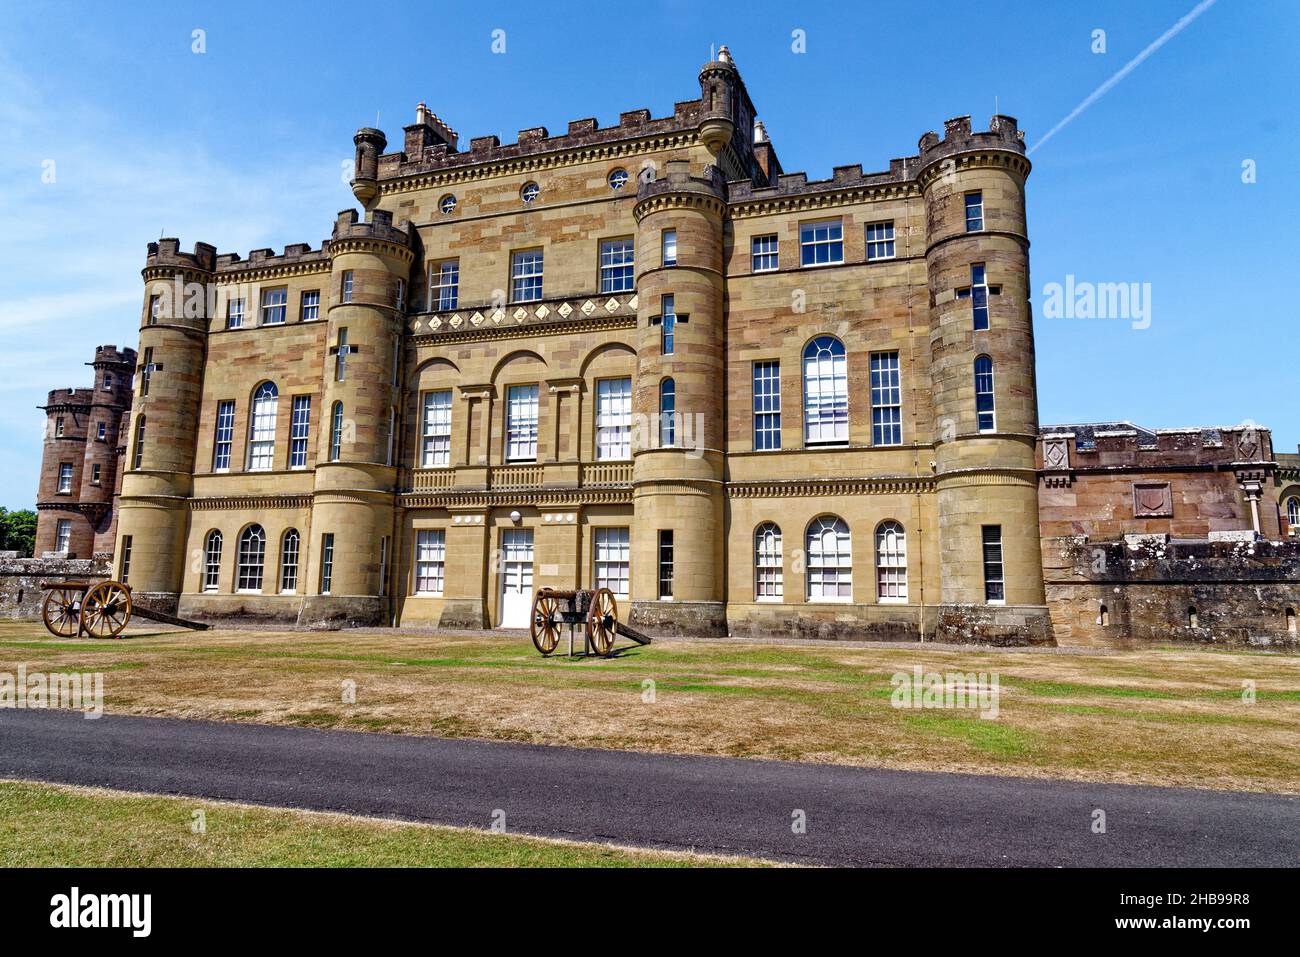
[
  {"x": 97, "y": 609},
  {"x": 595, "y": 609}
]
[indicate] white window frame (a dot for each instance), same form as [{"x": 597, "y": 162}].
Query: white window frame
[
  {"x": 346, "y": 290},
  {"x": 811, "y": 238},
  {"x": 336, "y": 432},
  {"x": 764, "y": 253},
  {"x": 611, "y": 559},
  {"x": 891, "y": 563},
  {"x": 65, "y": 478},
  {"x": 223, "y": 436},
  {"x": 430, "y": 562},
  {"x": 521, "y": 423},
  {"x": 825, "y": 392},
  {"x": 250, "y": 563},
  {"x": 886, "y": 399},
  {"x": 435, "y": 451},
  {"x": 310, "y": 305},
  {"x": 994, "y": 568},
  {"x": 290, "y": 555},
  {"x": 767, "y": 405},
  {"x": 235, "y": 314},
  {"x": 261, "y": 428},
  {"x": 668, "y": 247},
  {"x": 978, "y": 207},
  {"x": 614, "y": 420},
  {"x": 617, "y": 265},
  {"x": 275, "y": 306},
  {"x": 299, "y": 431},
  {"x": 830, "y": 569},
  {"x": 444, "y": 285},
  {"x": 527, "y": 269},
  {"x": 63, "y": 535},
  {"x": 991, "y": 392},
  {"x": 769, "y": 571},
  {"x": 212, "y": 561},
  {"x": 880, "y": 241}
]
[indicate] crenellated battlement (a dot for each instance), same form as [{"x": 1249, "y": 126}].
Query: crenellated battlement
[
  {"x": 294, "y": 254},
  {"x": 167, "y": 253},
  {"x": 1123, "y": 444},
  {"x": 434, "y": 156},
  {"x": 842, "y": 177},
  {"x": 678, "y": 178},
  {"x": 59, "y": 399},
  {"x": 1003, "y": 134},
  {"x": 111, "y": 355},
  {"x": 380, "y": 227}
]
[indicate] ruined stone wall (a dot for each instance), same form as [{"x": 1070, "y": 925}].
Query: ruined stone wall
[
  {"x": 1154, "y": 591},
  {"x": 21, "y": 578}
]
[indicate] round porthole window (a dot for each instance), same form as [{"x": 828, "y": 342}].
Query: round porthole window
[
  {"x": 618, "y": 179},
  {"x": 530, "y": 192},
  {"x": 447, "y": 204}
]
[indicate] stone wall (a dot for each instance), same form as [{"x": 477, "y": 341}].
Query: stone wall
[
  {"x": 1151, "y": 590},
  {"x": 21, "y": 578}
]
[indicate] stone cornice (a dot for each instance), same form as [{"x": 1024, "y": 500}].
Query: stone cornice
[
  {"x": 832, "y": 197},
  {"x": 228, "y": 502},
  {"x": 678, "y": 200},
  {"x": 979, "y": 156},
  {"x": 371, "y": 244},
  {"x": 245, "y": 272},
  {"x": 547, "y": 498},
  {"x": 865, "y": 485}
]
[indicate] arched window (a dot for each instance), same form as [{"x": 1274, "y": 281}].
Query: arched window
[
  {"x": 891, "y": 563},
  {"x": 261, "y": 428},
  {"x": 252, "y": 556},
  {"x": 1103, "y": 616},
  {"x": 1290, "y": 621},
  {"x": 137, "y": 456},
  {"x": 1193, "y": 619},
  {"x": 212, "y": 561},
  {"x": 825, "y": 392},
  {"x": 985, "y": 414},
  {"x": 336, "y": 431},
  {"x": 768, "y": 583},
  {"x": 830, "y": 560},
  {"x": 667, "y": 414},
  {"x": 289, "y": 547},
  {"x": 1293, "y": 512}
]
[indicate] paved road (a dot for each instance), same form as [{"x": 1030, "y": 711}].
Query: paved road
[{"x": 855, "y": 816}]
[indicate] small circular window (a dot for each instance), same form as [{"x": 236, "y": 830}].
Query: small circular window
[
  {"x": 618, "y": 179},
  {"x": 447, "y": 204},
  {"x": 530, "y": 192}
]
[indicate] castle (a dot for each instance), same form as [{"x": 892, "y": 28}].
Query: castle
[{"x": 641, "y": 357}]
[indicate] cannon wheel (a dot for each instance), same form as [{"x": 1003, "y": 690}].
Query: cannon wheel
[
  {"x": 545, "y": 624},
  {"x": 106, "y": 610},
  {"x": 62, "y": 611},
  {"x": 602, "y": 621}
]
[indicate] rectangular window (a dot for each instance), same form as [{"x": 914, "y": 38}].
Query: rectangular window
[
  {"x": 63, "y": 535},
  {"x": 521, "y": 423},
  {"x": 444, "y": 285},
  {"x": 137, "y": 457},
  {"x": 326, "y": 562},
  {"x": 275, "y": 304},
  {"x": 611, "y": 556},
  {"x": 289, "y": 562},
  {"x": 613, "y": 419},
  {"x": 669, "y": 324},
  {"x": 146, "y": 370},
  {"x": 399, "y": 296},
  {"x": 767, "y": 405},
  {"x": 526, "y": 276},
  {"x": 108, "y": 381},
  {"x": 616, "y": 266},
  {"x": 225, "y": 436},
  {"x": 383, "y": 566},
  {"x": 762, "y": 253},
  {"x": 235, "y": 314},
  {"x": 886, "y": 400},
  {"x": 124, "y": 565},
  {"x": 880, "y": 241},
  {"x": 670, "y": 247},
  {"x": 430, "y": 562},
  {"x": 95, "y": 473},
  {"x": 821, "y": 243},
  {"x": 299, "y": 428},
  {"x": 985, "y": 411},
  {"x": 155, "y": 309},
  {"x": 336, "y": 432},
  {"x": 978, "y": 294},
  {"x": 65, "y": 476},
  {"x": 974, "y": 212},
  {"x": 993, "y": 581},
  {"x": 101, "y": 433},
  {"x": 58, "y": 426},
  {"x": 665, "y": 563},
  {"x": 341, "y": 353},
  {"x": 311, "y": 305},
  {"x": 347, "y": 286},
  {"x": 436, "y": 452}
]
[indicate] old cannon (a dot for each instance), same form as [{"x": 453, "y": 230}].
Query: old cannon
[
  {"x": 596, "y": 610},
  {"x": 98, "y": 609}
]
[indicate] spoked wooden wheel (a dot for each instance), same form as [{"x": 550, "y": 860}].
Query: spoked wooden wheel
[
  {"x": 602, "y": 619},
  {"x": 62, "y": 611},
  {"x": 106, "y": 610},
  {"x": 545, "y": 624}
]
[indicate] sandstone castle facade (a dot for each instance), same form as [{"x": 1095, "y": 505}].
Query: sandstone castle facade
[{"x": 642, "y": 357}]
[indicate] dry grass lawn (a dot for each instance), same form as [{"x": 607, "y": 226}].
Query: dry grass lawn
[{"x": 1172, "y": 716}]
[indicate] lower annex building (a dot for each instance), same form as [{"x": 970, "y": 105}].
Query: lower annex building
[{"x": 641, "y": 357}]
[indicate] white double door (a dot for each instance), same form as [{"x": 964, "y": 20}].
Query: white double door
[{"x": 516, "y": 577}]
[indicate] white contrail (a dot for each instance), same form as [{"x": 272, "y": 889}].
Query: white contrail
[{"x": 1128, "y": 68}]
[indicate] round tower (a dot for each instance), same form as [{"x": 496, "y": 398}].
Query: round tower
[
  {"x": 356, "y": 473},
  {"x": 113, "y": 369},
  {"x": 370, "y": 144},
  {"x": 160, "y": 444},
  {"x": 62, "y": 525},
  {"x": 982, "y": 368},
  {"x": 679, "y": 401}
]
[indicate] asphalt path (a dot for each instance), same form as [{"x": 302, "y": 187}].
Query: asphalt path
[{"x": 807, "y": 813}]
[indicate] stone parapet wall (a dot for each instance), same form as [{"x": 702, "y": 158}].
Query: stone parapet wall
[{"x": 21, "y": 578}]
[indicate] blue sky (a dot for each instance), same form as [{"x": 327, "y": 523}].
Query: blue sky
[{"x": 242, "y": 146}]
